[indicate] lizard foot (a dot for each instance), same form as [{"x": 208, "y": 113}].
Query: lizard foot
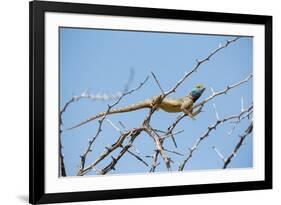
[{"x": 191, "y": 116}]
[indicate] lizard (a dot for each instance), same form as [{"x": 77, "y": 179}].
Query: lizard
[{"x": 183, "y": 104}]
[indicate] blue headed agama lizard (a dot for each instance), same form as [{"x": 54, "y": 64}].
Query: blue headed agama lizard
[{"x": 183, "y": 104}]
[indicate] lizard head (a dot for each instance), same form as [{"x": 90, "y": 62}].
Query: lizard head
[{"x": 197, "y": 91}]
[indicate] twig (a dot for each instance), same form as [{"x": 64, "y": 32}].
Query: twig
[
  {"x": 174, "y": 152},
  {"x": 87, "y": 95},
  {"x": 172, "y": 134}
]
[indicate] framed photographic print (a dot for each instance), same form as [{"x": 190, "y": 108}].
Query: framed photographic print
[{"x": 140, "y": 102}]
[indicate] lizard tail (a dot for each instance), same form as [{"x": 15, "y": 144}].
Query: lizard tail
[{"x": 137, "y": 106}]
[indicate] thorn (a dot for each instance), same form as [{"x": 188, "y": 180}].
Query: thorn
[
  {"x": 122, "y": 125},
  {"x": 216, "y": 111},
  {"x": 113, "y": 159},
  {"x": 213, "y": 92}
]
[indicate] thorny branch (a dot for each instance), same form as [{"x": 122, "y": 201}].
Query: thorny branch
[{"x": 208, "y": 131}]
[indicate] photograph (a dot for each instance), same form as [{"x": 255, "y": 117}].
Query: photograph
[
  {"x": 147, "y": 102},
  {"x": 130, "y": 102}
]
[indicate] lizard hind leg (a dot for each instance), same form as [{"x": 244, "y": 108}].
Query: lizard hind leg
[{"x": 189, "y": 113}]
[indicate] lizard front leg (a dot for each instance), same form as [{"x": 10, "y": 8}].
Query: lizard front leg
[{"x": 186, "y": 108}]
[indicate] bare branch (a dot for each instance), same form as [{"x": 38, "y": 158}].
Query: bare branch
[
  {"x": 159, "y": 146},
  {"x": 174, "y": 152},
  {"x": 158, "y": 83},
  {"x": 127, "y": 84},
  {"x": 170, "y": 135},
  {"x": 238, "y": 145},
  {"x": 111, "y": 165},
  {"x": 242, "y": 103},
  {"x": 88, "y": 150},
  {"x": 198, "y": 63},
  {"x": 207, "y": 133},
  {"x": 87, "y": 95},
  {"x": 238, "y": 120},
  {"x": 154, "y": 161},
  {"x": 107, "y": 151}
]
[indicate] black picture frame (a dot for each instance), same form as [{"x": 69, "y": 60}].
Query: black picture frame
[{"x": 37, "y": 9}]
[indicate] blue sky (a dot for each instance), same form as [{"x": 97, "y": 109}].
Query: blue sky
[{"x": 100, "y": 61}]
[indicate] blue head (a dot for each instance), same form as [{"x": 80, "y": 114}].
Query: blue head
[{"x": 197, "y": 91}]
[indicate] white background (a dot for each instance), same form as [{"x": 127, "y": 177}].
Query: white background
[{"x": 14, "y": 100}]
